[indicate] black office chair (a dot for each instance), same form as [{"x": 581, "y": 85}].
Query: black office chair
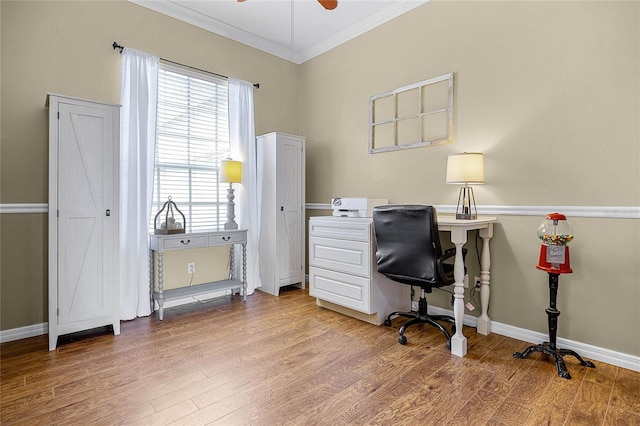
[{"x": 409, "y": 252}]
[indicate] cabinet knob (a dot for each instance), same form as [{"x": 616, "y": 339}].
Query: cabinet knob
[
  {"x": 108, "y": 212},
  {"x": 281, "y": 208}
]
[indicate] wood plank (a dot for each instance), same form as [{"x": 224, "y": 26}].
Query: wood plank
[
  {"x": 478, "y": 409},
  {"x": 555, "y": 402},
  {"x": 590, "y": 405},
  {"x": 626, "y": 391}
]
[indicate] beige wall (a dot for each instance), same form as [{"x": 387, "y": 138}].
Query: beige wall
[
  {"x": 549, "y": 91},
  {"x": 65, "y": 47}
]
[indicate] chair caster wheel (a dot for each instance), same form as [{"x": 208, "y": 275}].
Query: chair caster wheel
[
  {"x": 402, "y": 340},
  {"x": 387, "y": 322}
]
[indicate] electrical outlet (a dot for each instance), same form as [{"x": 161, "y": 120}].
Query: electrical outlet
[
  {"x": 465, "y": 281},
  {"x": 191, "y": 268},
  {"x": 476, "y": 282},
  {"x": 414, "y": 305}
]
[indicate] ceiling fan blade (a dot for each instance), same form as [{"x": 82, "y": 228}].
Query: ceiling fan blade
[{"x": 329, "y": 4}]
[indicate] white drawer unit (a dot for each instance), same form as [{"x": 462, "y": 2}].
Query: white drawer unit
[{"x": 343, "y": 274}]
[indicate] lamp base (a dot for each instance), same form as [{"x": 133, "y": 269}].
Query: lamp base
[
  {"x": 466, "y": 208},
  {"x": 231, "y": 214},
  {"x": 466, "y": 216}
]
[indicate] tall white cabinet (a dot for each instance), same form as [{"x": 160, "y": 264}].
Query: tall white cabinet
[
  {"x": 281, "y": 183},
  {"x": 83, "y": 215}
]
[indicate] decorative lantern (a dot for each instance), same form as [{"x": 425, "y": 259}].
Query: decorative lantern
[
  {"x": 169, "y": 225},
  {"x": 555, "y": 233}
]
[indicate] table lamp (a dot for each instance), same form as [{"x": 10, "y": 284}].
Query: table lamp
[
  {"x": 230, "y": 171},
  {"x": 466, "y": 168}
]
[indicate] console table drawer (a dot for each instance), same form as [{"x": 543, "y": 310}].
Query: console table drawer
[
  {"x": 351, "y": 257},
  {"x": 346, "y": 290},
  {"x": 224, "y": 239},
  {"x": 183, "y": 242}
]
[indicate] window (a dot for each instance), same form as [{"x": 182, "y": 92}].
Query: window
[{"x": 192, "y": 137}]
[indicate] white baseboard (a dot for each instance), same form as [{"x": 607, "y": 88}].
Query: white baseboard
[
  {"x": 24, "y": 332},
  {"x": 590, "y": 352}
]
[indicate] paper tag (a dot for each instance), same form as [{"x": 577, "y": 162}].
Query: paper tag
[
  {"x": 469, "y": 306},
  {"x": 555, "y": 254}
]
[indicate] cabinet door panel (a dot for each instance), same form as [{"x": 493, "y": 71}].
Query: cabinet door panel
[
  {"x": 289, "y": 217},
  {"x": 85, "y": 233}
]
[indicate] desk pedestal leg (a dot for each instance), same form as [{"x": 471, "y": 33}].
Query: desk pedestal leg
[
  {"x": 484, "y": 322},
  {"x": 458, "y": 341}
]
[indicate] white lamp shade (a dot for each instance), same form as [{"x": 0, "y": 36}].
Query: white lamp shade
[
  {"x": 464, "y": 168},
  {"x": 231, "y": 171}
]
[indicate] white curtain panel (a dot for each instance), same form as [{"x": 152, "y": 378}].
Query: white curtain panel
[
  {"x": 243, "y": 148},
  {"x": 138, "y": 96}
]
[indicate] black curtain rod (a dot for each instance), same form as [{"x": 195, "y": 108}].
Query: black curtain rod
[{"x": 121, "y": 48}]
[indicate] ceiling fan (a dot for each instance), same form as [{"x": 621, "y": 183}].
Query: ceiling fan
[{"x": 327, "y": 4}]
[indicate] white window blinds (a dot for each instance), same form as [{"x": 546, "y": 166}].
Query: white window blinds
[{"x": 192, "y": 137}]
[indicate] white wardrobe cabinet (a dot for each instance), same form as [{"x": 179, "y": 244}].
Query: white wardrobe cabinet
[
  {"x": 83, "y": 215},
  {"x": 281, "y": 180}
]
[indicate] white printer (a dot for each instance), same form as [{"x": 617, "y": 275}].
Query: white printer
[{"x": 356, "y": 206}]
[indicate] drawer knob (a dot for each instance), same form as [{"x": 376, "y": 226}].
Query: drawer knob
[{"x": 185, "y": 243}]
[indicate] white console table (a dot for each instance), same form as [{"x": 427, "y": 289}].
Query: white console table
[{"x": 163, "y": 243}]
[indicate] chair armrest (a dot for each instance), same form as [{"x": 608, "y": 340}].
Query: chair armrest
[
  {"x": 448, "y": 254},
  {"x": 451, "y": 252}
]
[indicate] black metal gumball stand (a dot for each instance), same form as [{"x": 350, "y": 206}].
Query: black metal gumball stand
[{"x": 550, "y": 348}]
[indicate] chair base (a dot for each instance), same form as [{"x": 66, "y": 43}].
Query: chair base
[{"x": 421, "y": 317}]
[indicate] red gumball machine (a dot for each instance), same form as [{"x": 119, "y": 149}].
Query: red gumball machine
[{"x": 555, "y": 233}]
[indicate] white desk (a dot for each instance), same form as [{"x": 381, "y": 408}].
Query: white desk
[
  {"x": 458, "y": 229},
  {"x": 342, "y": 271},
  {"x": 163, "y": 243}
]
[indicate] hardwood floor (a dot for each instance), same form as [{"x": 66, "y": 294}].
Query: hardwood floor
[{"x": 285, "y": 361}]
